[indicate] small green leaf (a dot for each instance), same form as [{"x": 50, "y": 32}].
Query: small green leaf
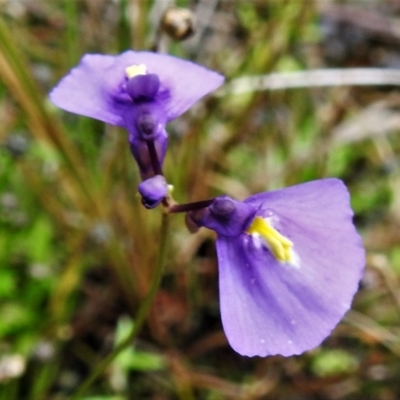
[{"x": 333, "y": 362}]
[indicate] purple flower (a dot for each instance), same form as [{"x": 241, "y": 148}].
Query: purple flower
[
  {"x": 153, "y": 191},
  {"x": 289, "y": 265},
  {"x": 139, "y": 91}
]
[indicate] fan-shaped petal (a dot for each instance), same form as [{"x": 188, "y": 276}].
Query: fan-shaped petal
[
  {"x": 96, "y": 88},
  {"x": 269, "y": 307}
]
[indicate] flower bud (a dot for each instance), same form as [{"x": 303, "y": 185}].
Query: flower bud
[
  {"x": 178, "y": 23},
  {"x": 153, "y": 191}
]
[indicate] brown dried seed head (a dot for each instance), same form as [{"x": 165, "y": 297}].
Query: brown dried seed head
[{"x": 178, "y": 23}]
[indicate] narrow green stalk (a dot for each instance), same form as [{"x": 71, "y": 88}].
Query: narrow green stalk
[
  {"x": 141, "y": 315},
  {"x": 72, "y": 31}
]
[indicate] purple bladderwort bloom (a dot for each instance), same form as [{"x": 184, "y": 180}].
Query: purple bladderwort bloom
[
  {"x": 139, "y": 91},
  {"x": 290, "y": 262},
  {"x": 153, "y": 191}
]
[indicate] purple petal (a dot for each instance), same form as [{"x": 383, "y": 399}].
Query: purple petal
[
  {"x": 96, "y": 88},
  {"x": 185, "y": 81},
  {"x": 143, "y": 87},
  {"x": 272, "y": 308},
  {"x": 140, "y": 151}
]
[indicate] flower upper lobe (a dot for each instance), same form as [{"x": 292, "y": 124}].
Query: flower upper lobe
[
  {"x": 96, "y": 88},
  {"x": 162, "y": 88}
]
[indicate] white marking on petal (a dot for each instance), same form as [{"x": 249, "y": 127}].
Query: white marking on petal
[
  {"x": 296, "y": 262},
  {"x": 134, "y": 70},
  {"x": 258, "y": 242}
]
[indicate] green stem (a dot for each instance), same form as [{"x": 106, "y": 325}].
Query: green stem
[{"x": 141, "y": 315}]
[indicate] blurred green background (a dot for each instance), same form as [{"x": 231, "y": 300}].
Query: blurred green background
[{"x": 78, "y": 250}]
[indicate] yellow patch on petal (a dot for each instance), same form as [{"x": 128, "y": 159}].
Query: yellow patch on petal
[
  {"x": 134, "y": 70},
  {"x": 279, "y": 245}
]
